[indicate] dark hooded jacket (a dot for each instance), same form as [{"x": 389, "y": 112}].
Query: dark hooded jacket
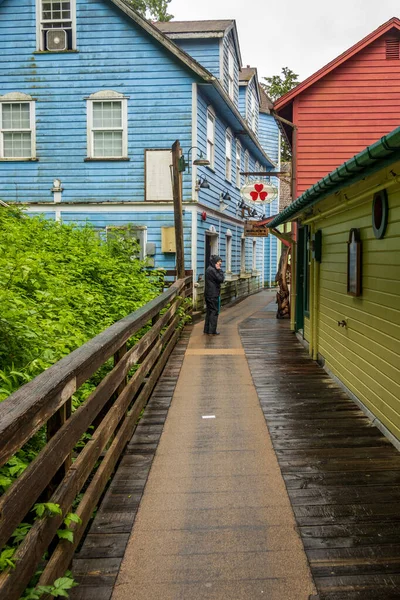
[{"x": 214, "y": 278}]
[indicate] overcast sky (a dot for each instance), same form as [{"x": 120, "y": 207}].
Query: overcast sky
[{"x": 302, "y": 35}]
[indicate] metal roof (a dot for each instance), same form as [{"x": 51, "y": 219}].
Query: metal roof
[{"x": 384, "y": 151}]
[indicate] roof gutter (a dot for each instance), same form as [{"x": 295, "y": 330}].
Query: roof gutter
[{"x": 368, "y": 161}]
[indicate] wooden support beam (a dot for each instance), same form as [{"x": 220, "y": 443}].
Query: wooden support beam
[{"x": 178, "y": 211}]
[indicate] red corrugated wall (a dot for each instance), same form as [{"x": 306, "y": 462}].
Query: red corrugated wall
[{"x": 348, "y": 109}]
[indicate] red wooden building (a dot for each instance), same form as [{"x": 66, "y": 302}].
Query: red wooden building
[{"x": 344, "y": 107}]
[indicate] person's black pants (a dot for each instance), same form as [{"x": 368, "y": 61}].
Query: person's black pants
[{"x": 210, "y": 325}]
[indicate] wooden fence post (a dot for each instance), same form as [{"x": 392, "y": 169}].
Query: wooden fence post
[{"x": 177, "y": 193}]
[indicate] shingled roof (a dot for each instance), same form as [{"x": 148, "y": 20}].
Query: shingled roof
[
  {"x": 266, "y": 103},
  {"x": 190, "y": 27}
]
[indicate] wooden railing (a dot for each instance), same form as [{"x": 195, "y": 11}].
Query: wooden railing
[{"x": 59, "y": 472}]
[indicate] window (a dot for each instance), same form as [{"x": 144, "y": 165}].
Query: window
[
  {"x": 231, "y": 75},
  {"x": 228, "y": 153},
  {"x": 257, "y": 167},
  {"x": 56, "y": 25},
  {"x": 252, "y": 120},
  {"x": 238, "y": 163},
  {"x": 254, "y": 261},
  {"x": 107, "y": 126},
  {"x": 246, "y": 163},
  {"x": 243, "y": 255},
  {"x": 128, "y": 234},
  {"x": 17, "y": 127},
  {"x": 229, "y": 251},
  {"x": 210, "y": 136}
]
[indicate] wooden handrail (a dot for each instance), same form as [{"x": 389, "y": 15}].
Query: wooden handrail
[{"x": 112, "y": 409}]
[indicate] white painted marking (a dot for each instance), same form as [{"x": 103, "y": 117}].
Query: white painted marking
[{"x": 208, "y": 417}]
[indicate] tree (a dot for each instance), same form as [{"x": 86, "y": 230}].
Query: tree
[
  {"x": 276, "y": 86},
  {"x": 156, "y": 10}
]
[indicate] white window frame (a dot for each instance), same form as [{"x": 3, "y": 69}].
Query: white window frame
[
  {"x": 254, "y": 257},
  {"x": 228, "y": 241},
  {"x": 231, "y": 74},
  {"x": 139, "y": 233},
  {"x": 238, "y": 165},
  {"x": 211, "y": 118},
  {"x": 18, "y": 98},
  {"x": 243, "y": 255},
  {"x": 107, "y": 96},
  {"x": 253, "y": 121},
  {"x": 257, "y": 167},
  {"x": 40, "y": 42},
  {"x": 228, "y": 155}
]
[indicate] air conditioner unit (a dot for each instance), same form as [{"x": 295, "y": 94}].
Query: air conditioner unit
[{"x": 56, "y": 40}]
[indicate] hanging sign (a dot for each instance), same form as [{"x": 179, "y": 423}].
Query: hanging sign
[
  {"x": 259, "y": 192},
  {"x": 254, "y": 230}
]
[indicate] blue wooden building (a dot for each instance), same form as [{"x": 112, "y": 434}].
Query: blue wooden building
[{"x": 92, "y": 96}]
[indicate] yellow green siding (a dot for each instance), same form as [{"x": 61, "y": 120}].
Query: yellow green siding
[
  {"x": 307, "y": 329},
  {"x": 365, "y": 355}
]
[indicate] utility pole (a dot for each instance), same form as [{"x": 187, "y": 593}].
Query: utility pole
[{"x": 178, "y": 210}]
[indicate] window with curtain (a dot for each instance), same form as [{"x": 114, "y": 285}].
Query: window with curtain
[
  {"x": 228, "y": 155},
  {"x": 17, "y": 129},
  {"x": 107, "y": 126}
]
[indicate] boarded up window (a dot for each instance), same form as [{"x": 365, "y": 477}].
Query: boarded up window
[
  {"x": 158, "y": 176},
  {"x": 393, "y": 49}
]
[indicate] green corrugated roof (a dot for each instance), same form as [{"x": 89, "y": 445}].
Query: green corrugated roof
[{"x": 371, "y": 159}]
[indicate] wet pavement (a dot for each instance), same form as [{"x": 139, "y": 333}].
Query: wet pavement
[{"x": 215, "y": 521}]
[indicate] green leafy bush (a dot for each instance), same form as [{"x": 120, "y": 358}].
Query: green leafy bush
[{"x": 60, "y": 285}]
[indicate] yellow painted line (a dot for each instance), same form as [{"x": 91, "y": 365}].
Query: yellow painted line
[{"x": 214, "y": 351}]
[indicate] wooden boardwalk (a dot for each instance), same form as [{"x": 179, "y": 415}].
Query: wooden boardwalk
[
  {"x": 97, "y": 565},
  {"x": 341, "y": 473}
]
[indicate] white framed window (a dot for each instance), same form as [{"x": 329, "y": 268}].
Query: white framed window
[
  {"x": 130, "y": 232},
  {"x": 231, "y": 75},
  {"x": 243, "y": 255},
  {"x": 246, "y": 163},
  {"x": 229, "y": 251},
  {"x": 228, "y": 155},
  {"x": 253, "y": 113},
  {"x": 17, "y": 127},
  {"x": 56, "y": 25},
  {"x": 107, "y": 125},
  {"x": 211, "y": 136},
  {"x": 254, "y": 256},
  {"x": 238, "y": 165}
]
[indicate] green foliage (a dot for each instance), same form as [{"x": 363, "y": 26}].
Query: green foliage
[
  {"x": 156, "y": 10},
  {"x": 276, "y": 86},
  {"x": 6, "y": 558},
  {"x": 46, "y": 509},
  {"x": 60, "y": 588},
  {"x": 60, "y": 285}
]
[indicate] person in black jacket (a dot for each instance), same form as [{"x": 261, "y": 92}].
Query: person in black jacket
[{"x": 214, "y": 278}]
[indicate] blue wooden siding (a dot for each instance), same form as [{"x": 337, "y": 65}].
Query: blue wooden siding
[
  {"x": 229, "y": 46},
  {"x": 221, "y": 227},
  {"x": 268, "y": 134},
  {"x": 128, "y": 61},
  {"x": 205, "y": 51}
]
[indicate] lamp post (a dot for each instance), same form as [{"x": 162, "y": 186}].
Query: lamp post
[{"x": 177, "y": 195}]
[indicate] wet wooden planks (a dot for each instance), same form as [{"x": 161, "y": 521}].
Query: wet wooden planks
[
  {"x": 97, "y": 565},
  {"x": 341, "y": 473}
]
